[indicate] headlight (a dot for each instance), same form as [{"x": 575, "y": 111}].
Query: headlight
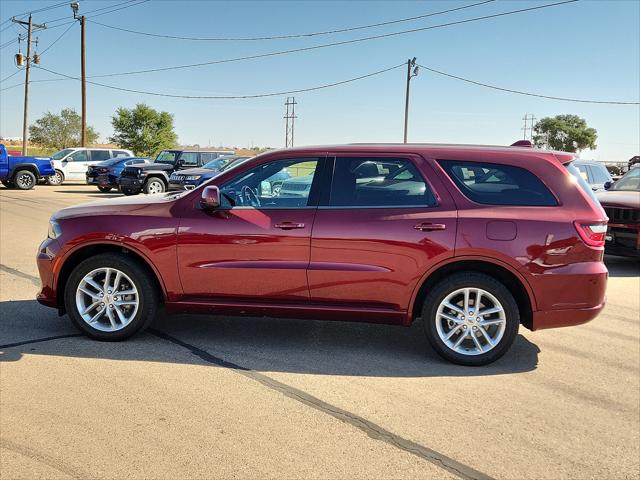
[
  {"x": 193, "y": 177},
  {"x": 54, "y": 229}
]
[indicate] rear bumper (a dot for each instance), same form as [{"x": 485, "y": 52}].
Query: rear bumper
[
  {"x": 103, "y": 180},
  {"x": 131, "y": 183},
  {"x": 571, "y": 295},
  {"x": 565, "y": 317}
]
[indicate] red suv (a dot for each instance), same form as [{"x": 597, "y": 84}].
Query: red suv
[{"x": 473, "y": 240}]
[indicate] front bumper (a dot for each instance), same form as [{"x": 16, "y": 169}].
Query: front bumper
[
  {"x": 179, "y": 185},
  {"x": 47, "y": 260},
  {"x": 623, "y": 240}
]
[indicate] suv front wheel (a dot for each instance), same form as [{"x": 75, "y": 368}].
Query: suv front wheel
[
  {"x": 110, "y": 297},
  {"x": 470, "y": 319},
  {"x": 56, "y": 179}
]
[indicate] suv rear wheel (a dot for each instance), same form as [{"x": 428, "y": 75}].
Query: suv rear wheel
[
  {"x": 110, "y": 297},
  {"x": 24, "y": 180},
  {"x": 154, "y": 185},
  {"x": 470, "y": 319},
  {"x": 56, "y": 179}
]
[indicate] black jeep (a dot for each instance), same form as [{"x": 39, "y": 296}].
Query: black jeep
[{"x": 154, "y": 177}]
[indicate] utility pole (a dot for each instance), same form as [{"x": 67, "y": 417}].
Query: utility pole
[
  {"x": 31, "y": 27},
  {"x": 411, "y": 64},
  {"x": 75, "y": 6},
  {"x": 290, "y": 117},
  {"x": 528, "y": 117}
]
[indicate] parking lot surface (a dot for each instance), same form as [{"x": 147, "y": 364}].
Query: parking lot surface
[{"x": 217, "y": 397}]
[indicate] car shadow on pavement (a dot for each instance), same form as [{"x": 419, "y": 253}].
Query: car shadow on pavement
[
  {"x": 264, "y": 345},
  {"x": 91, "y": 194},
  {"x": 622, "y": 266}
]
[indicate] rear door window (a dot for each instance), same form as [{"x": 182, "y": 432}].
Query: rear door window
[
  {"x": 495, "y": 184},
  {"x": 100, "y": 155},
  {"x": 378, "y": 182},
  {"x": 189, "y": 159}
]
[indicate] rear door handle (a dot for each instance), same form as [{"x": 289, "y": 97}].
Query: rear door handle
[
  {"x": 428, "y": 227},
  {"x": 289, "y": 225}
]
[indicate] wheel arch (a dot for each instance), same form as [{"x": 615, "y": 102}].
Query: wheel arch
[
  {"x": 32, "y": 167},
  {"x": 73, "y": 258},
  {"x": 159, "y": 175},
  {"x": 511, "y": 279}
]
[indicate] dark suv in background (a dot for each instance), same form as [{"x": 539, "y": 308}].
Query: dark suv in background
[
  {"x": 155, "y": 177},
  {"x": 472, "y": 240}
]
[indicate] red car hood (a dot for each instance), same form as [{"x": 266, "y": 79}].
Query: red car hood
[
  {"x": 134, "y": 205},
  {"x": 619, "y": 198}
]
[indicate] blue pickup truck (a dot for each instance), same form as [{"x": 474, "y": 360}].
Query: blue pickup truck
[{"x": 23, "y": 172}]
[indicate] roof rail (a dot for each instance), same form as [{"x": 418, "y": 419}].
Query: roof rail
[{"x": 522, "y": 143}]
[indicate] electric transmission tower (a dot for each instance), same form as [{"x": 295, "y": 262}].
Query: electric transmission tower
[
  {"x": 529, "y": 122},
  {"x": 290, "y": 118}
]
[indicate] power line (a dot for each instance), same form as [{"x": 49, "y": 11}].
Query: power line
[
  {"x": 232, "y": 97},
  {"x": 34, "y": 81},
  {"x": 290, "y": 36},
  {"x": 56, "y": 40},
  {"x": 333, "y": 44},
  {"x": 529, "y": 94},
  {"x": 110, "y": 8},
  {"x": 43, "y": 9},
  {"x": 12, "y": 75}
]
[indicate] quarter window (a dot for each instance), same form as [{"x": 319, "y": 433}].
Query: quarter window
[
  {"x": 378, "y": 182},
  {"x": 495, "y": 184}
]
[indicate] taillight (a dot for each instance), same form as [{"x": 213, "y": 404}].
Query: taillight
[{"x": 592, "y": 233}]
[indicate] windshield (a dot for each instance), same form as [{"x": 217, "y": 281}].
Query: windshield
[
  {"x": 61, "y": 154},
  {"x": 216, "y": 164},
  {"x": 166, "y": 156},
  {"x": 630, "y": 182}
]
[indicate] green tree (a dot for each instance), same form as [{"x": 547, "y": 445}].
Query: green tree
[
  {"x": 568, "y": 133},
  {"x": 60, "y": 131},
  {"x": 143, "y": 130}
]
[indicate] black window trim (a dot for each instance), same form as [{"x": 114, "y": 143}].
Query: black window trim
[
  {"x": 326, "y": 198},
  {"x": 482, "y": 162}
]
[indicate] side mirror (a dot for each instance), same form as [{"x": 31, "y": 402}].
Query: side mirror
[
  {"x": 607, "y": 185},
  {"x": 210, "y": 199}
]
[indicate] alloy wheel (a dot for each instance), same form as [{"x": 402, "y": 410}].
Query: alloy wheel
[
  {"x": 470, "y": 321},
  {"x": 107, "y": 299},
  {"x": 155, "y": 187},
  {"x": 24, "y": 181}
]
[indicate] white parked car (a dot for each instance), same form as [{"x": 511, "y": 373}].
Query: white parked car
[{"x": 71, "y": 163}]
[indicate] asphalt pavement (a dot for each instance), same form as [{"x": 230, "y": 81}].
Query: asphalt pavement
[{"x": 222, "y": 397}]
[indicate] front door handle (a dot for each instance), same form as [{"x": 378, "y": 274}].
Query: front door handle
[
  {"x": 429, "y": 227},
  {"x": 289, "y": 225}
]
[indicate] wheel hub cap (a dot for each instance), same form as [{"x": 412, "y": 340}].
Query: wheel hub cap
[
  {"x": 470, "y": 321},
  {"x": 107, "y": 299}
]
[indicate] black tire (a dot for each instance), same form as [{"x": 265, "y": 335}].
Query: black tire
[
  {"x": 104, "y": 189},
  {"x": 149, "y": 297},
  {"x": 56, "y": 179},
  {"x": 470, "y": 280},
  {"x": 24, "y": 180},
  {"x": 129, "y": 191},
  {"x": 154, "y": 185},
  {"x": 8, "y": 184}
]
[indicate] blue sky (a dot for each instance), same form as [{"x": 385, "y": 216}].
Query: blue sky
[{"x": 588, "y": 49}]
